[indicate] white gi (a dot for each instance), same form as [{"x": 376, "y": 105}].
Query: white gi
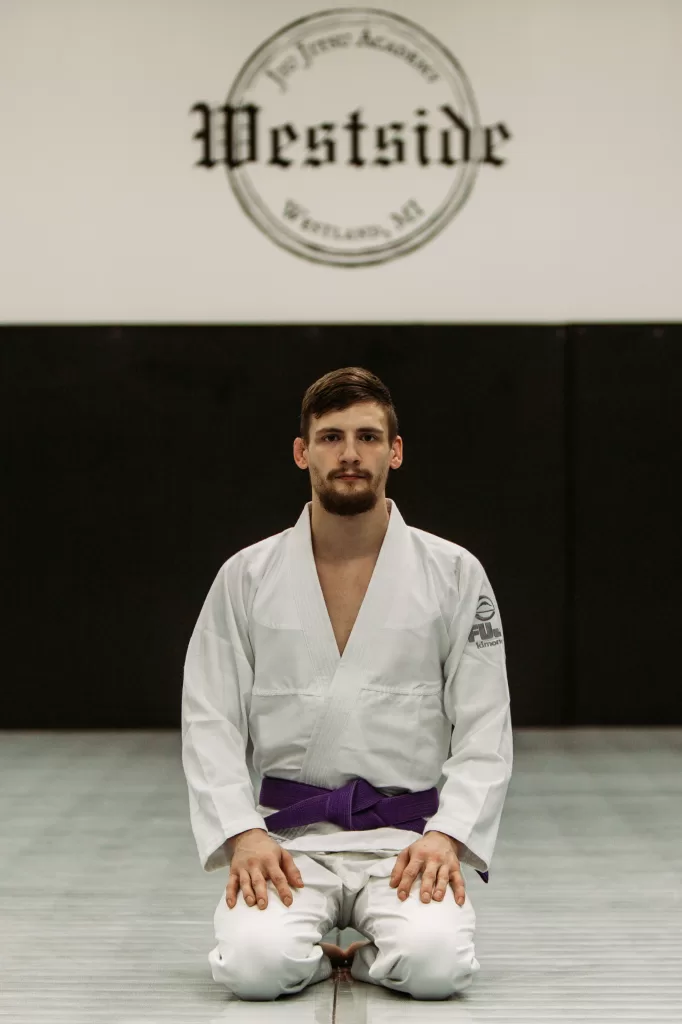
[{"x": 419, "y": 698}]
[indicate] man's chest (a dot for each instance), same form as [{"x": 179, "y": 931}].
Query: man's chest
[
  {"x": 387, "y": 628},
  {"x": 344, "y": 591}
]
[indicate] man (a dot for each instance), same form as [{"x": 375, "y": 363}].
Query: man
[{"x": 350, "y": 671}]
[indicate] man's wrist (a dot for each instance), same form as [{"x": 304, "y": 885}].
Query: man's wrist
[
  {"x": 233, "y": 840},
  {"x": 458, "y": 846}
]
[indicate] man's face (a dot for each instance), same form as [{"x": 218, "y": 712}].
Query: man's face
[{"x": 349, "y": 457}]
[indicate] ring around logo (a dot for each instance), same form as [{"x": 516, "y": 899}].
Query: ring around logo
[
  {"x": 485, "y": 609},
  {"x": 350, "y": 137}
]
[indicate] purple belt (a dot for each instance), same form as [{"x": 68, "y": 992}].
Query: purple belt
[{"x": 355, "y": 807}]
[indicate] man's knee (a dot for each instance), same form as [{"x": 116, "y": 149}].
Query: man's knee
[
  {"x": 248, "y": 963},
  {"x": 438, "y": 965},
  {"x": 263, "y": 966}
]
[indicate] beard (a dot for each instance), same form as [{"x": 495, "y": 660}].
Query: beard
[{"x": 346, "y": 499}]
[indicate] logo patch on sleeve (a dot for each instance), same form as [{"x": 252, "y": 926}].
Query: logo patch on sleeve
[{"x": 488, "y": 635}]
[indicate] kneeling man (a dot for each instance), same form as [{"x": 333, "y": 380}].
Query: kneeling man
[{"x": 346, "y": 728}]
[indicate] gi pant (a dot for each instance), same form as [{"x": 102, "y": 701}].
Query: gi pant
[{"x": 423, "y": 949}]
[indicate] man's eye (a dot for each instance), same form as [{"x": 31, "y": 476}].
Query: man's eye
[{"x": 332, "y": 437}]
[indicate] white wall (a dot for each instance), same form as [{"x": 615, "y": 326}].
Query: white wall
[{"x": 105, "y": 218}]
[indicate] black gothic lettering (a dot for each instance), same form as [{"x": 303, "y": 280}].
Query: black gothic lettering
[
  {"x": 314, "y": 144},
  {"x": 235, "y": 141},
  {"x": 276, "y": 157},
  {"x": 419, "y": 142},
  {"x": 446, "y": 156},
  {"x": 383, "y": 142},
  {"x": 421, "y": 131},
  {"x": 355, "y": 127},
  {"x": 490, "y": 157},
  {"x": 203, "y": 135}
]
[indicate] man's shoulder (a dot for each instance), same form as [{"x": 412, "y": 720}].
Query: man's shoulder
[
  {"x": 237, "y": 580},
  {"x": 254, "y": 559},
  {"x": 440, "y": 548}
]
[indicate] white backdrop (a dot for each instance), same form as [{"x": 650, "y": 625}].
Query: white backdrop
[{"x": 105, "y": 217}]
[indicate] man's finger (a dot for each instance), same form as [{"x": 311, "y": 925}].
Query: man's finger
[
  {"x": 457, "y": 883},
  {"x": 428, "y": 880},
  {"x": 441, "y": 882},
  {"x": 398, "y": 868},
  {"x": 409, "y": 875}
]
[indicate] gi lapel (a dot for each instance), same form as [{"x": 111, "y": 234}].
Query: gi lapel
[{"x": 341, "y": 676}]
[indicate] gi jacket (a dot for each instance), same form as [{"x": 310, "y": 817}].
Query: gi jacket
[{"x": 419, "y": 697}]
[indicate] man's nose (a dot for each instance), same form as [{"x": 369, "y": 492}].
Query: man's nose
[{"x": 348, "y": 453}]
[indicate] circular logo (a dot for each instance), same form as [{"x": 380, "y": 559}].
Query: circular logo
[
  {"x": 485, "y": 609},
  {"x": 351, "y": 137}
]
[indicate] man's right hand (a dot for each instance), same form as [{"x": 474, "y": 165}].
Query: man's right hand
[{"x": 255, "y": 858}]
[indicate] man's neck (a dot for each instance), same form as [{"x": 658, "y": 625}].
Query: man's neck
[{"x": 338, "y": 539}]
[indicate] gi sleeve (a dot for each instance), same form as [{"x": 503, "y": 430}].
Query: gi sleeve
[
  {"x": 476, "y": 700},
  {"x": 216, "y": 693}
]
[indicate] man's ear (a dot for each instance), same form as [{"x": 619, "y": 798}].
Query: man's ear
[{"x": 300, "y": 452}]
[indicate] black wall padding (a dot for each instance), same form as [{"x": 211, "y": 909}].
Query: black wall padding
[{"x": 138, "y": 459}]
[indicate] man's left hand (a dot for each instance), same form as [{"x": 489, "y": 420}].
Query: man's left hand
[{"x": 436, "y": 855}]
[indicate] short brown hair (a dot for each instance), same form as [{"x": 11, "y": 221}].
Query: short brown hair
[{"x": 340, "y": 388}]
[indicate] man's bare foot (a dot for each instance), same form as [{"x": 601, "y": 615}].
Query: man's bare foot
[
  {"x": 355, "y": 946},
  {"x": 334, "y": 952},
  {"x": 342, "y": 957}
]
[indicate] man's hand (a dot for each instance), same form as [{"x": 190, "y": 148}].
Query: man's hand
[
  {"x": 436, "y": 855},
  {"x": 257, "y": 857}
]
